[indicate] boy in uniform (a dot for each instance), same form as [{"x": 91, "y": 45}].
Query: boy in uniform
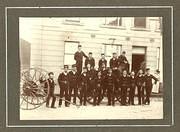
[
  {"x": 114, "y": 64},
  {"x": 50, "y": 90},
  {"x": 124, "y": 79},
  {"x": 73, "y": 83},
  {"x": 90, "y": 60},
  {"x": 83, "y": 88},
  {"x": 148, "y": 85},
  {"x": 64, "y": 86},
  {"x": 104, "y": 72},
  {"x": 102, "y": 61},
  {"x": 132, "y": 88},
  {"x": 98, "y": 89},
  {"x": 140, "y": 86},
  {"x": 123, "y": 62},
  {"x": 110, "y": 81},
  {"x": 91, "y": 73}
]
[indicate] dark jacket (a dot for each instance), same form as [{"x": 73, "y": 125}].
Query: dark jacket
[
  {"x": 49, "y": 84},
  {"x": 91, "y": 74},
  {"x": 110, "y": 80},
  {"x": 124, "y": 81},
  {"x": 98, "y": 82},
  {"x": 148, "y": 80},
  {"x": 84, "y": 79},
  {"x": 140, "y": 80},
  {"x": 101, "y": 61},
  {"x": 63, "y": 80},
  {"x": 104, "y": 73},
  {"x": 78, "y": 56},
  {"x": 121, "y": 59},
  {"x": 73, "y": 78},
  {"x": 132, "y": 81},
  {"x": 90, "y": 61},
  {"x": 113, "y": 63}
]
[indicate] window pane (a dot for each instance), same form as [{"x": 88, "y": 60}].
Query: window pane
[
  {"x": 108, "y": 50},
  {"x": 69, "y": 59},
  {"x": 112, "y": 21},
  {"x": 71, "y": 47},
  {"x": 140, "y": 22},
  {"x": 158, "y": 57}
]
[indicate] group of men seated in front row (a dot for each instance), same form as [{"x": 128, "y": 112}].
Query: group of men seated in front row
[{"x": 113, "y": 82}]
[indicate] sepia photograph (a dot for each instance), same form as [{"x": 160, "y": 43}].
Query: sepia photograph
[{"x": 91, "y": 68}]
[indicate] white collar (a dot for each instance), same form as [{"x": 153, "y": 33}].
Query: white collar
[{"x": 65, "y": 73}]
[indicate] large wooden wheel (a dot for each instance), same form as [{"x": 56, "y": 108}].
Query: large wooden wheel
[{"x": 32, "y": 88}]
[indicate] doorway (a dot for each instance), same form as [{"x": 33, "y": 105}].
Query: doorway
[
  {"x": 138, "y": 58},
  {"x": 137, "y": 61}
]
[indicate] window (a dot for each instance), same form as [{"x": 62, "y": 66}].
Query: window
[
  {"x": 113, "y": 21},
  {"x": 158, "y": 57},
  {"x": 109, "y": 49},
  {"x": 140, "y": 22},
  {"x": 70, "y": 49}
]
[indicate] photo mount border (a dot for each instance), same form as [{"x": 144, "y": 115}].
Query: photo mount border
[{"x": 94, "y": 7}]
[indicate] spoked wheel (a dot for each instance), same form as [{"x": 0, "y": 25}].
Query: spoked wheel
[{"x": 32, "y": 88}]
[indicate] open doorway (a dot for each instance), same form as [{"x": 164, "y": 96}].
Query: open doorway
[
  {"x": 137, "y": 61},
  {"x": 138, "y": 58}
]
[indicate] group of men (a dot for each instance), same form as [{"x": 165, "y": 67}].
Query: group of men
[{"x": 114, "y": 82}]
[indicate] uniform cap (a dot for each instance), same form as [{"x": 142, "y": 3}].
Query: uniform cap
[
  {"x": 79, "y": 45},
  {"x": 65, "y": 66},
  {"x": 50, "y": 73},
  {"x": 124, "y": 52},
  {"x": 147, "y": 69}
]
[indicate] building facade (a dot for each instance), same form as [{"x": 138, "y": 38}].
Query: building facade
[{"x": 53, "y": 41}]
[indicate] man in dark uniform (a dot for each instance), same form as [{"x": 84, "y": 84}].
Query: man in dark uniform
[
  {"x": 132, "y": 88},
  {"x": 104, "y": 73},
  {"x": 148, "y": 85},
  {"x": 110, "y": 81},
  {"x": 64, "y": 86},
  {"x": 98, "y": 89},
  {"x": 83, "y": 87},
  {"x": 78, "y": 56},
  {"x": 91, "y": 73},
  {"x": 90, "y": 60},
  {"x": 114, "y": 67},
  {"x": 140, "y": 86},
  {"x": 50, "y": 90},
  {"x": 124, "y": 79},
  {"x": 114, "y": 64},
  {"x": 102, "y": 60},
  {"x": 73, "y": 78},
  {"x": 123, "y": 62}
]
